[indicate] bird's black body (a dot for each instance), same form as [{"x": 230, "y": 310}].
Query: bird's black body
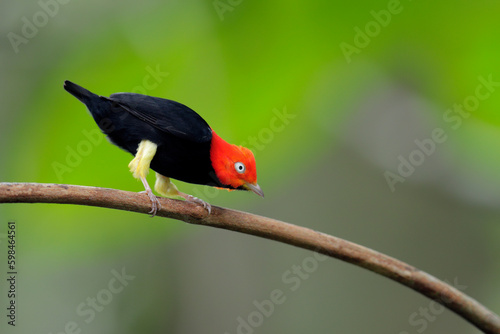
[{"x": 182, "y": 136}]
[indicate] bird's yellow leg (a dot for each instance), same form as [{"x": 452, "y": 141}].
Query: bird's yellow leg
[
  {"x": 166, "y": 188},
  {"x": 139, "y": 166}
]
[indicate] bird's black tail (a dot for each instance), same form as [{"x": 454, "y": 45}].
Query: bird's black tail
[
  {"x": 80, "y": 93},
  {"x": 97, "y": 105}
]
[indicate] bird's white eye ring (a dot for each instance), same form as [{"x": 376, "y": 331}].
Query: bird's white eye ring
[{"x": 240, "y": 167}]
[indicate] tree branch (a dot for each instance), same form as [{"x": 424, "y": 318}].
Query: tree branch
[{"x": 268, "y": 228}]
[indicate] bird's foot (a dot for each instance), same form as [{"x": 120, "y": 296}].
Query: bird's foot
[
  {"x": 191, "y": 198},
  {"x": 155, "y": 203}
]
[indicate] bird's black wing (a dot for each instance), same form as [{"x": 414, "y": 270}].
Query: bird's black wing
[{"x": 165, "y": 115}]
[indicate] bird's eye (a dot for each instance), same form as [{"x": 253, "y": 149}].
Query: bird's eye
[{"x": 240, "y": 167}]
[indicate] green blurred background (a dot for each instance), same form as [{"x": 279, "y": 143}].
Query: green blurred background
[{"x": 352, "y": 116}]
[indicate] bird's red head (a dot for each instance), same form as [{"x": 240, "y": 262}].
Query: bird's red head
[{"x": 234, "y": 165}]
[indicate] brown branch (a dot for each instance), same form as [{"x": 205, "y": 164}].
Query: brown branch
[{"x": 243, "y": 222}]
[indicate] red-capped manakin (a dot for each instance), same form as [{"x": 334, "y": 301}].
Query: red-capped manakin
[{"x": 171, "y": 139}]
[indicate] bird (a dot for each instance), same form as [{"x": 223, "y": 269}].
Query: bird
[{"x": 172, "y": 140}]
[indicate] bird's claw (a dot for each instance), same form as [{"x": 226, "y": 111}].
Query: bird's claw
[
  {"x": 196, "y": 200},
  {"x": 155, "y": 203}
]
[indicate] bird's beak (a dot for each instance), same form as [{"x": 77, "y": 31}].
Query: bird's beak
[{"x": 255, "y": 188}]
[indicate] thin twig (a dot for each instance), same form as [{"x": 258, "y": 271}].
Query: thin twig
[{"x": 243, "y": 222}]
